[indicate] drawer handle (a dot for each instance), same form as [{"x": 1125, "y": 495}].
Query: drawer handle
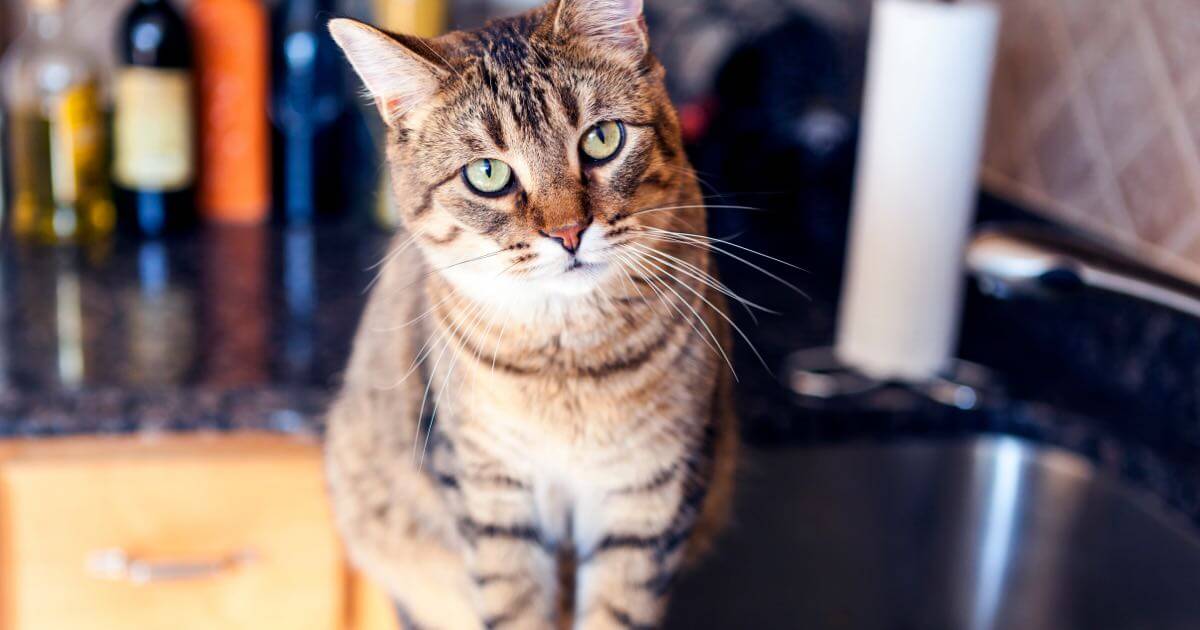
[{"x": 119, "y": 565}]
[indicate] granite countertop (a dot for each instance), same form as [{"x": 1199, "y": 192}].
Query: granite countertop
[{"x": 232, "y": 327}]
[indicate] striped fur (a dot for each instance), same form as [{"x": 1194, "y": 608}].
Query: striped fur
[{"x": 527, "y": 439}]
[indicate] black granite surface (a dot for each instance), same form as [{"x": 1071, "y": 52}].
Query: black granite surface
[{"x": 234, "y": 327}]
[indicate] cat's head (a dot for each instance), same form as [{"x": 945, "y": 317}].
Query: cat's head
[{"x": 527, "y": 155}]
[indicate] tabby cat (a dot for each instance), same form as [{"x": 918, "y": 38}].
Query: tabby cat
[{"x": 535, "y": 428}]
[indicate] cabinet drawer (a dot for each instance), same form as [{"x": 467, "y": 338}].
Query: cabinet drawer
[{"x": 179, "y": 533}]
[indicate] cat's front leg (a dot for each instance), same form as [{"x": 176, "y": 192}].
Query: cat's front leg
[
  {"x": 631, "y": 542},
  {"x": 511, "y": 562}
]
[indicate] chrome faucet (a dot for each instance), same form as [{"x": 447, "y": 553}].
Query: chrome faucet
[{"x": 1012, "y": 261}]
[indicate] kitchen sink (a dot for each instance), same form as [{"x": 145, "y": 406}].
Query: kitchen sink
[{"x": 985, "y": 533}]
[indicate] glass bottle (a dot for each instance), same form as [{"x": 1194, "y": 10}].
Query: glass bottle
[
  {"x": 154, "y": 165},
  {"x": 57, "y": 140},
  {"x": 308, "y": 100}
]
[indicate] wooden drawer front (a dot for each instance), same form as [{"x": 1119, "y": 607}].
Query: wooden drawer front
[{"x": 241, "y": 522}]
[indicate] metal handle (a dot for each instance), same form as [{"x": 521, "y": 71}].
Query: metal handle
[
  {"x": 119, "y": 565},
  {"x": 1024, "y": 262}
]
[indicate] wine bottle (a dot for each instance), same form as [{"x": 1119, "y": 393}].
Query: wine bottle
[
  {"x": 154, "y": 165},
  {"x": 57, "y": 142},
  {"x": 309, "y": 98}
]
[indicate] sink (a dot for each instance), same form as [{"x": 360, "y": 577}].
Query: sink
[{"x": 985, "y": 533}]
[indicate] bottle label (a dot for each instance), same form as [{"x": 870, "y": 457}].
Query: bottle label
[
  {"x": 76, "y": 142},
  {"x": 153, "y": 123}
]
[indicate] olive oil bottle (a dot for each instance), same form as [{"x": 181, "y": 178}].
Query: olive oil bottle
[{"x": 57, "y": 144}]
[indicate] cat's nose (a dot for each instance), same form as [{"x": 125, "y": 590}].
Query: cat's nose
[{"x": 568, "y": 236}]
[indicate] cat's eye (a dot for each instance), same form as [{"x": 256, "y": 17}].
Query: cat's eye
[
  {"x": 602, "y": 141},
  {"x": 487, "y": 176}
]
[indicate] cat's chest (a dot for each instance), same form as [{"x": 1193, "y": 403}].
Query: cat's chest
[
  {"x": 555, "y": 469},
  {"x": 570, "y": 447},
  {"x": 566, "y": 412}
]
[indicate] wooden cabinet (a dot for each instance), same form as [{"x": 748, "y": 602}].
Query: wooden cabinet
[{"x": 175, "y": 533}]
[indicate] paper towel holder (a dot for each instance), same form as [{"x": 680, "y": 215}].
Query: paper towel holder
[{"x": 818, "y": 379}]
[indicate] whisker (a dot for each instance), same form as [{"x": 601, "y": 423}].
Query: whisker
[
  {"x": 748, "y": 263},
  {"x": 716, "y": 343},
  {"x": 412, "y": 238},
  {"x": 726, "y": 242},
  {"x": 419, "y": 358},
  {"x": 445, "y": 340},
  {"x": 690, "y": 207},
  {"x": 735, "y": 194},
  {"x": 499, "y": 343},
  {"x": 457, "y": 264},
  {"x": 480, "y": 315},
  {"x": 387, "y": 258},
  {"x": 695, "y": 174},
  {"x": 414, "y": 320},
  {"x": 627, "y": 280},
  {"x": 699, "y": 275},
  {"x": 706, "y": 278},
  {"x": 663, "y": 299},
  {"x": 503, "y": 327},
  {"x": 720, "y": 313}
]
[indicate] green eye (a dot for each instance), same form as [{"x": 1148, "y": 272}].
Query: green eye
[
  {"x": 487, "y": 176},
  {"x": 603, "y": 141}
]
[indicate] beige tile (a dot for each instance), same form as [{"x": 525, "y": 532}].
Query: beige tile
[
  {"x": 1176, "y": 25},
  {"x": 1156, "y": 190},
  {"x": 1085, "y": 120},
  {"x": 1187, "y": 240},
  {"x": 1191, "y": 252},
  {"x": 1067, "y": 167},
  {"x": 1092, "y": 25},
  {"x": 1026, "y": 59},
  {"x": 1004, "y": 150},
  {"x": 1191, "y": 113},
  {"x": 1123, "y": 96},
  {"x": 1100, "y": 214}
]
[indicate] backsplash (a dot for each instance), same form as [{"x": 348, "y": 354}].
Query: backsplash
[{"x": 1095, "y": 117}]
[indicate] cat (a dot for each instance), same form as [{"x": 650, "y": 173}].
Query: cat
[{"x": 536, "y": 426}]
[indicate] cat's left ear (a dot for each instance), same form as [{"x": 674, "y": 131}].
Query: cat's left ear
[
  {"x": 617, "y": 25},
  {"x": 401, "y": 72}
]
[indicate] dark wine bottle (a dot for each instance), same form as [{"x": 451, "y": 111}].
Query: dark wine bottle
[
  {"x": 154, "y": 150},
  {"x": 309, "y": 100}
]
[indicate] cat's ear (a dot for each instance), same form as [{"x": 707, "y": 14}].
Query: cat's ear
[
  {"x": 400, "y": 72},
  {"x": 617, "y": 25}
]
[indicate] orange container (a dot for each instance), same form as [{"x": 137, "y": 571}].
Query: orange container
[{"x": 230, "y": 38}]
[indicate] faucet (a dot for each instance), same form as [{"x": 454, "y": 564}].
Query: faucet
[{"x": 1010, "y": 261}]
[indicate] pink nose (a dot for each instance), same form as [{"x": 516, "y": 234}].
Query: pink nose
[{"x": 568, "y": 235}]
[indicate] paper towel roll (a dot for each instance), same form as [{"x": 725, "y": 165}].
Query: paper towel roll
[{"x": 928, "y": 71}]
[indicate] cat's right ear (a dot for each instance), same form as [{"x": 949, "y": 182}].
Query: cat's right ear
[{"x": 400, "y": 72}]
